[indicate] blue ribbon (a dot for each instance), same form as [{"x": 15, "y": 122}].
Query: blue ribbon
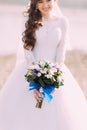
[
  {"x": 47, "y": 90},
  {"x": 34, "y": 85}
]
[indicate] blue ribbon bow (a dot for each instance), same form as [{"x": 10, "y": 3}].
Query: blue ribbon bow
[{"x": 47, "y": 90}]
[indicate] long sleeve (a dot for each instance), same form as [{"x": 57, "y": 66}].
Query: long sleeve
[
  {"x": 24, "y": 55},
  {"x": 29, "y": 57},
  {"x": 61, "y": 48}
]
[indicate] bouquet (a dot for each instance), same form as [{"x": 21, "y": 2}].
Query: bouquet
[{"x": 44, "y": 76}]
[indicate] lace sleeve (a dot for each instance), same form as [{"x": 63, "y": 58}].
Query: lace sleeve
[
  {"x": 29, "y": 57},
  {"x": 61, "y": 48}
]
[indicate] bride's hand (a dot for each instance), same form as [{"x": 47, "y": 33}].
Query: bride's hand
[{"x": 37, "y": 94}]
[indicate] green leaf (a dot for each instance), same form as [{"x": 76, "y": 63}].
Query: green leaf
[
  {"x": 47, "y": 81},
  {"x": 41, "y": 82}
]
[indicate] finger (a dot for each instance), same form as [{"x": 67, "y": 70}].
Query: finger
[
  {"x": 38, "y": 93},
  {"x": 37, "y": 98},
  {"x": 35, "y": 91}
]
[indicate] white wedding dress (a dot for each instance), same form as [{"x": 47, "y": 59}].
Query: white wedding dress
[{"x": 67, "y": 110}]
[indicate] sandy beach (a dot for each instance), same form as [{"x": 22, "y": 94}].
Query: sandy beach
[{"x": 75, "y": 60}]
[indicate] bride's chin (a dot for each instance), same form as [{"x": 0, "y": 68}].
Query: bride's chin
[{"x": 45, "y": 14}]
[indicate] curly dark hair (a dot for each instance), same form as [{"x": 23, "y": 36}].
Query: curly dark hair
[{"x": 33, "y": 23}]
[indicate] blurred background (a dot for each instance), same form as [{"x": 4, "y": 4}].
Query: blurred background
[{"x": 12, "y": 25}]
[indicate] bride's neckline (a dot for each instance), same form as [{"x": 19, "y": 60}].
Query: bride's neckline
[{"x": 49, "y": 19}]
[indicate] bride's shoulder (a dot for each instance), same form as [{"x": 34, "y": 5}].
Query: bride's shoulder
[{"x": 63, "y": 22}]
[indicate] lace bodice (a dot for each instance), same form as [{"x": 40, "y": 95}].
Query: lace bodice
[{"x": 51, "y": 41}]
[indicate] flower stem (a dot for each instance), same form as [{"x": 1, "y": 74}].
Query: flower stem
[{"x": 39, "y": 104}]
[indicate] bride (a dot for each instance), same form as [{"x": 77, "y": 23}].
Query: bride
[{"x": 45, "y": 37}]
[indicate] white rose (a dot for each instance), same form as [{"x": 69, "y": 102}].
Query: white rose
[
  {"x": 53, "y": 70},
  {"x": 31, "y": 67},
  {"x": 49, "y": 76},
  {"x": 59, "y": 78},
  {"x": 39, "y": 74}
]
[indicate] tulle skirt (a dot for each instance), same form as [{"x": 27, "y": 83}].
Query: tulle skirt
[{"x": 67, "y": 110}]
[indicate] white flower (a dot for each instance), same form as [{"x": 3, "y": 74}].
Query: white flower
[
  {"x": 53, "y": 79},
  {"x": 49, "y": 76},
  {"x": 52, "y": 71},
  {"x": 43, "y": 71},
  {"x": 42, "y": 62},
  {"x": 31, "y": 67},
  {"x": 29, "y": 72},
  {"x": 36, "y": 67},
  {"x": 59, "y": 78},
  {"x": 39, "y": 74}
]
